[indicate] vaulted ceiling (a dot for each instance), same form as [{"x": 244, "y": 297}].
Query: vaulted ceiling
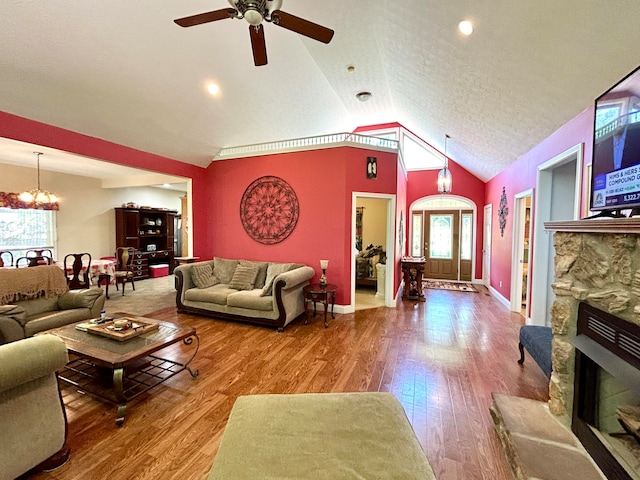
[{"x": 124, "y": 71}]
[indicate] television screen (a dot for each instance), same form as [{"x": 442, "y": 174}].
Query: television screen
[{"x": 615, "y": 181}]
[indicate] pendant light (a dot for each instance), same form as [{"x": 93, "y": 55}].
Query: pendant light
[
  {"x": 38, "y": 196},
  {"x": 444, "y": 175}
]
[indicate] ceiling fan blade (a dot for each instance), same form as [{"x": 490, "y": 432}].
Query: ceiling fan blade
[
  {"x": 258, "y": 45},
  {"x": 302, "y": 26},
  {"x": 207, "y": 17}
]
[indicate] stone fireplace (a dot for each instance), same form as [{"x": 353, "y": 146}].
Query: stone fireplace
[{"x": 597, "y": 279}]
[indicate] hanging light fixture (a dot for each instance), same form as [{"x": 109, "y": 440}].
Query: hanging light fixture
[
  {"x": 444, "y": 175},
  {"x": 38, "y": 196}
]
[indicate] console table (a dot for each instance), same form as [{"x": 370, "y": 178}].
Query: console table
[{"x": 412, "y": 270}]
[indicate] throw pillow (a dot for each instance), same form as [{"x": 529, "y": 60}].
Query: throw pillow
[
  {"x": 244, "y": 277},
  {"x": 262, "y": 271},
  {"x": 203, "y": 276},
  {"x": 224, "y": 269},
  {"x": 273, "y": 271}
]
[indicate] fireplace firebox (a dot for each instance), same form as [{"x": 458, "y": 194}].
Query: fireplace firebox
[{"x": 607, "y": 376}]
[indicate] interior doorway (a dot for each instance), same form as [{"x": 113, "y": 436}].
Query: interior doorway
[
  {"x": 373, "y": 250},
  {"x": 557, "y": 198},
  {"x": 520, "y": 278}
]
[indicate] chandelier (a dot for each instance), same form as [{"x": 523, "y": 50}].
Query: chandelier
[
  {"x": 38, "y": 196},
  {"x": 444, "y": 175}
]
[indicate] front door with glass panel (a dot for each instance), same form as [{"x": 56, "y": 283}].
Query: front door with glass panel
[{"x": 441, "y": 235}]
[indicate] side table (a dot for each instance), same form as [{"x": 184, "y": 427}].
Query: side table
[
  {"x": 183, "y": 260},
  {"x": 412, "y": 269},
  {"x": 315, "y": 292}
]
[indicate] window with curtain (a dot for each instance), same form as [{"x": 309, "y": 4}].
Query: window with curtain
[{"x": 22, "y": 229}]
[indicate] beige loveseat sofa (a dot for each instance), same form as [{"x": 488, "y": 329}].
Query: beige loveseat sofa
[
  {"x": 268, "y": 293},
  {"x": 32, "y": 415},
  {"x": 35, "y": 299}
]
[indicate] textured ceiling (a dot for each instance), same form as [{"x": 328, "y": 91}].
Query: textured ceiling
[{"x": 124, "y": 72}]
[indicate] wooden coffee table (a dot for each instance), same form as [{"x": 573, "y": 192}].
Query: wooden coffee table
[{"x": 118, "y": 371}]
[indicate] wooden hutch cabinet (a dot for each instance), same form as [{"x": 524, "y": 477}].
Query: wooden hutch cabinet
[{"x": 150, "y": 231}]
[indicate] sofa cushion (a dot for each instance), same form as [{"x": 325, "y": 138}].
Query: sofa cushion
[
  {"x": 262, "y": 272},
  {"x": 39, "y": 305},
  {"x": 224, "y": 269},
  {"x": 84, "y": 298},
  {"x": 273, "y": 271},
  {"x": 250, "y": 299},
  {"x": 55, "y": 319},
  {"x": 216, "y": 294},
  {"x": 244, "y": 277},
  {"x": 203, "y": 276}
]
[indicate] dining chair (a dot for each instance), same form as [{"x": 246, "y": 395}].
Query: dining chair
[
  {"x": 33, "y": 261},
  {"x": 124, "y": 271},
  {"x": 105, "y": 277},
  {"x": 6, "y": 258},
  {"x": 73, "y": 265},
  {"x": 42, "y": 256}
]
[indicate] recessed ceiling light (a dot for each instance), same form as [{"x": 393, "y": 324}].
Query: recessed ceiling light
[
  {"x": 363, "y": 96},
  {"x": 213, "y": 89},
  {"x": 465, "y": 27}
]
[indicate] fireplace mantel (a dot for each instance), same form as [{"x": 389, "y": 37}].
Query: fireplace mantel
[{"x": 596, "y": 225}]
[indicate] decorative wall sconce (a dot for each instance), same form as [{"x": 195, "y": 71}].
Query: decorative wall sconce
[
  {"x": 323, "y": 278},
  {"x": 372, "y": 168},
  {"x": 444, "y": 175}
]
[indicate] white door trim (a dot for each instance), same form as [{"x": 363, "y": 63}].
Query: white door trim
[
  {"x": 389, "y": 294},
  {"x": 486, "y": 245},
  {"x": 543, "y": 250},
  {"x": 517, "y": 247}
]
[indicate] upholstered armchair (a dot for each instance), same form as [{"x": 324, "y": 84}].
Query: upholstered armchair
[{"x": 32, "y": 415}]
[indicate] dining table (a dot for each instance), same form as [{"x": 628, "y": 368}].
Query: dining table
[{"x": 101, "y": 271}]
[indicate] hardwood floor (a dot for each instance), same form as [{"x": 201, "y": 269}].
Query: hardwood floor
[{"x": 442, "y": 359}]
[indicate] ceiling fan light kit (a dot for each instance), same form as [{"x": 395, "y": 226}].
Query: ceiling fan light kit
[
  {"x": 255, "y": 12},
  {"x": 254, "y": 17}
]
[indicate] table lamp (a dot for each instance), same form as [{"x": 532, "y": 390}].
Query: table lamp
[{"x": 323, "y": 278}]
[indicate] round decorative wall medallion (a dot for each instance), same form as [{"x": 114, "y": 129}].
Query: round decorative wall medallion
[{"x": 269, "y": 210}]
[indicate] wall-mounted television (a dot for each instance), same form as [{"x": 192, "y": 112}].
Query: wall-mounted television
[{"x": 615, "y": 169}]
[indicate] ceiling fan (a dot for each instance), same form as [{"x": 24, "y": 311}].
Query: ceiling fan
[{"x": 255, "y": 12}]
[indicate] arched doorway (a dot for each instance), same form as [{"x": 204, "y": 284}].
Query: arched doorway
[{"x": 442, "y": 231}]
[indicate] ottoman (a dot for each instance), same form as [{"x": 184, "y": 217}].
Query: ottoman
[
  {"x": 537, "y": 341},
  {"x": 319, "y": 436}
]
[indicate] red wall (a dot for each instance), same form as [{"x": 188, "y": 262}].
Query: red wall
[
  {"x": 25, "y": 130},
  {"x": 423, "y": 183},
  {"x": 521, "y": 176},
  {"x": 323, "y": 181}
]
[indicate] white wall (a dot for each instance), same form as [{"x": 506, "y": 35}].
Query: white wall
[{"x": 86, "y": 219}]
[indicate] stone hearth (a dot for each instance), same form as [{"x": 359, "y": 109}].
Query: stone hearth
[
  {"x": 597, "y": 262},
  {"x": 536, "y": 444}
]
